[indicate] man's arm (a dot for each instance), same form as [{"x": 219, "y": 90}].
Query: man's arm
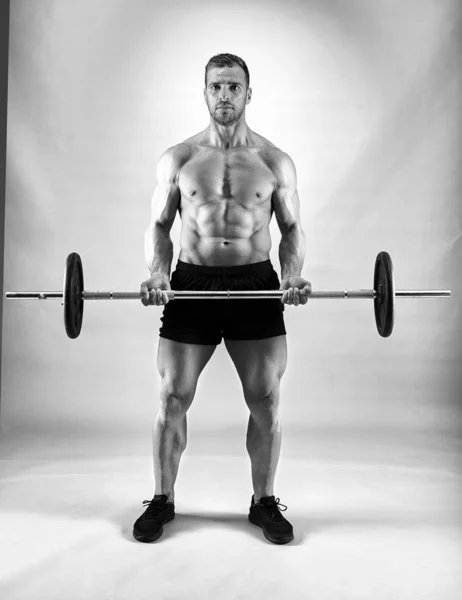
[
  {"x": 158, "y": 246},
  {"x": 164, "y": 205},
  {"x": 292, "y": 247},
  {"x": 286, "y": 206}
]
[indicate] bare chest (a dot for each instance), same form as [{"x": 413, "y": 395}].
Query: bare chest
[{"x": 214, "y": 176}]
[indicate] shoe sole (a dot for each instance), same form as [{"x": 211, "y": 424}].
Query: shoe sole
[
  {"x": 280, "y": 541},
  {"x": 147, "y": 540}
]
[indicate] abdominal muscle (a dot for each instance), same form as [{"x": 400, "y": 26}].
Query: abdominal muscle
[{"x": 239, "y": 237}]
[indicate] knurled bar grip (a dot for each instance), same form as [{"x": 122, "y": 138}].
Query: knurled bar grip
[{"x": 226, "y": 295}]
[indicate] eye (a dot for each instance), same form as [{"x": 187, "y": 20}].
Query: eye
[{"x": 234, "y": 88}]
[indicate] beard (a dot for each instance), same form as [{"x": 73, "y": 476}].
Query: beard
[{"x": 226, "y": 118}]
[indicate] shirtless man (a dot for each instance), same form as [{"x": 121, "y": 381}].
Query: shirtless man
[{"x": 225, "y": 183}]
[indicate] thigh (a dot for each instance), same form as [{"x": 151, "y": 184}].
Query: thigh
[
  {"x": 260, "y": 363},
  {"x": 180, "y": 364}
]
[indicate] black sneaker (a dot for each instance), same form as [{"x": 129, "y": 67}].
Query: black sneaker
[
  {"x": 267, "y": 515},
  {"x": 149, "y": 527}
]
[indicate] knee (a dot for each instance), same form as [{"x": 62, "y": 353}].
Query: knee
[
  {"x": 263, "y": 404},
  {"x": 174, "y": 402}
]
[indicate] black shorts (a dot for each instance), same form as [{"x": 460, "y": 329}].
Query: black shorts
[{"x": 207, "y": 321}]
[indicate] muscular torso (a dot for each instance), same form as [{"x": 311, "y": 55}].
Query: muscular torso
[{"x": 225, "y": 204}]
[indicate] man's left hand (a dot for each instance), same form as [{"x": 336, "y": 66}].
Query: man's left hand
[{"x": 296, "y": 290}]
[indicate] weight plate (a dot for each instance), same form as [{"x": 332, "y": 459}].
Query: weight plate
[
  {"x": 72, "y": 295},
  {"x": 384, "y": 301}
]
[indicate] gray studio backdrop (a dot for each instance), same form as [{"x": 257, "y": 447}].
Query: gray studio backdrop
[{"x": 365, "y": 97}]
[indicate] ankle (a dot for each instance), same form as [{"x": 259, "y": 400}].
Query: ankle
[
  {"x": 258, "y": 497},
  {"x": 170, "y": 495}
]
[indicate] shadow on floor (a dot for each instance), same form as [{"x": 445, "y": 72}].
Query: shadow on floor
[{"x": 304, "y": 526}]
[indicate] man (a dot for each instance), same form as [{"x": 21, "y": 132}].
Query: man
[{"x": 225, "y": 182}]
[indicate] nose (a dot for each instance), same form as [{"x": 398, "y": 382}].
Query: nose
[{"x": 224, "y": 96}]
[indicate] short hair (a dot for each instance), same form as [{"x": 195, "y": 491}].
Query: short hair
[{"x": 227, "y": 60}]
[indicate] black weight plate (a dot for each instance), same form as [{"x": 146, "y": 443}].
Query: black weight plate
[
  {"x": 384, "y": 301},
  {"x": 73, "y": 299}
]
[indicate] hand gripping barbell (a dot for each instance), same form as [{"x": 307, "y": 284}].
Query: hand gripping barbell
[{"x": 383, "y": 294}]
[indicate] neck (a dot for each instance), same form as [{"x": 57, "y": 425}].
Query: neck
[{"x": 228, "y": 137}]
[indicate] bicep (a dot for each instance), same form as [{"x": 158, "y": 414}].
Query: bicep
[
  {"x": 164, "y": 205},
  {"x": 166, "y": 197},
  {"x": 285, "y": 200}
]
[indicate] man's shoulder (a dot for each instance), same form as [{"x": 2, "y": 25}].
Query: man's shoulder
[
  {"x": 264, "y": 145},
  {"x": 180, "y": 153},
  {"x": 269, "y": 150},
  {"x": 276, "y": 159},
  {"x": 176, "y": 154},
  {"x": 173, "y": 159}
]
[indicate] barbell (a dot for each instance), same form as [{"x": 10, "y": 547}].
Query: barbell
[{"x": 383, "y": 295}]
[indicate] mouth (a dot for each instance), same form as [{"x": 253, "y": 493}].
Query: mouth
[{"x": 224, "y": 107}]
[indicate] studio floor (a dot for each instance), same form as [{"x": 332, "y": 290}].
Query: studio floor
[{"x": 374, "y": 517}]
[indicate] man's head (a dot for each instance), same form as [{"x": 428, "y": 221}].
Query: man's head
[
  {"x": 227, "y": 88},
  {"x": 227, "y": 60}
]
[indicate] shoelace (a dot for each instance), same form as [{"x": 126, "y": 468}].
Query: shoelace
[
  {"x": 273, "y": 509},
  {"x": 154, "y": 508}
]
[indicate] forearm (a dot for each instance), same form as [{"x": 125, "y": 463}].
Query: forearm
[
  {"x": 158, "y": 250},
  {"x": 292, "y": 252}
]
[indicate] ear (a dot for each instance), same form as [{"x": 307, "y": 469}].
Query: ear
[
  {"x": 249, "y": 96},
  {"x": 205, "y": 95}
]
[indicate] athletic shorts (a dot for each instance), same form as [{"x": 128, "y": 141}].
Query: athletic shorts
[{"x": 208, "y": 321}]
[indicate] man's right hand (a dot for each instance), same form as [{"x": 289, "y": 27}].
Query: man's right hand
[{"x": 153, "y": 291}]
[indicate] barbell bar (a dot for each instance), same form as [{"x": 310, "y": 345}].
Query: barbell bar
[
  {"x": 227, "y": 295},
  {"x": 74, "y": 295}
]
